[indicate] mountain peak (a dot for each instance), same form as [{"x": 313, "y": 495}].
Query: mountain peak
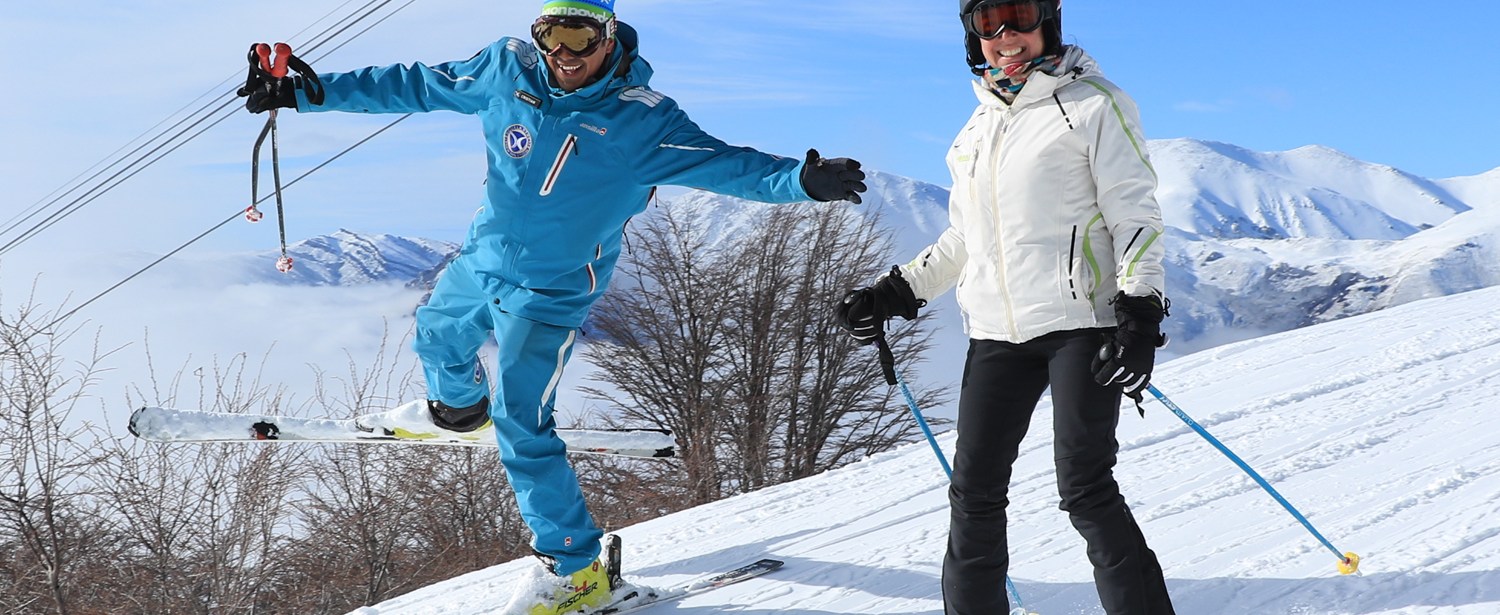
[{"x": 346, "y": 257}]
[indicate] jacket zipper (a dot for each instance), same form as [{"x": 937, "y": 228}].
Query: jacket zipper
[
  {"x": 1073, "y": 262},
  {"x": 594, "y": 279},
  {"x": 1010, "y": 310},
  {"x": 569, "y": 147}
]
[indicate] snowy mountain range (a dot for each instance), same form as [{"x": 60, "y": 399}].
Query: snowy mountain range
[
  {"x": 343, "y": 258},
  {"x": 1380, "y": 428},
  {"x": 1258, "y": 242},
  {"x": 347, "y": 258}
]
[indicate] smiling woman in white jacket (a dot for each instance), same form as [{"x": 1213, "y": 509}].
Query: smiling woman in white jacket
[
  {"x": 1055, "y": 247},
  {"x": 1052, "y": 209}
]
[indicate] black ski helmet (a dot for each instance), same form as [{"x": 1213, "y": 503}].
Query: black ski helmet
[{"x": 1052, "y": 35}]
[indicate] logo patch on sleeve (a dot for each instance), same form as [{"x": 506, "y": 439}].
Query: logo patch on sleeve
[{"x": 517, "y": 141}]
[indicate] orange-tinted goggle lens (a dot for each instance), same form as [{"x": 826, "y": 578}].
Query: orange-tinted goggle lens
[
  {"x": 581, "y": 37},
  {"x": 988, "y": 20}
]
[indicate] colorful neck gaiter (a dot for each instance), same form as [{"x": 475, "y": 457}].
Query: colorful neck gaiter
[{"x": 1008, "y": 80}]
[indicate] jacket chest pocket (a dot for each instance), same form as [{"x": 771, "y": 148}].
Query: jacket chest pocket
[{"x": 965, "y": 162}]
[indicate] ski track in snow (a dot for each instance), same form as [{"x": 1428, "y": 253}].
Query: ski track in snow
[{"x": 1381, "y": 429}]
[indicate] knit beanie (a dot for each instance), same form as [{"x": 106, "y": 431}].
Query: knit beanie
[{"x": 598, "y": 10}]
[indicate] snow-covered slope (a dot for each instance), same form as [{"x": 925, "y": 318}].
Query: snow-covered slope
[{"x": 1380, "y": 428}]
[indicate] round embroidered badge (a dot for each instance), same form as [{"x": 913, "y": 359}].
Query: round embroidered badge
[{"x": 517, "y": 141}]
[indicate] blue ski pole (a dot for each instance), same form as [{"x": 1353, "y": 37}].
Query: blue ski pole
[
  {"x": 1348, "y": 561},
  {"x": 888, "y": 366}
]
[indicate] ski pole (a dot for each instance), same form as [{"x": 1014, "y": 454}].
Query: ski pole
[
  {"x": 888, "y": 367},
  {"x": 267, "y": 73},
  {"x": 892, "y": 377},
  {"x": 1348, "y": 560}
]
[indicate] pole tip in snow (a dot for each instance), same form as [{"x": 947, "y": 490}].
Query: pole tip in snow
[{"x": 1350, "y": 563}]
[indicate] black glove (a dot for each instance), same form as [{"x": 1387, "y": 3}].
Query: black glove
[
  {"x": 832, "y": 179},
  {"x": 863, "y": 312},
  {"x": 1128, "y": 358},
  {"x": 271, "y": 94},
  {"x": 263, "y": 91}
]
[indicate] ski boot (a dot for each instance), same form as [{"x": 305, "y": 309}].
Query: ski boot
[
  {"x": 431, "y": 420},
  {"x": 462, "y": 420},
  {"x": 589, "y": 588}
]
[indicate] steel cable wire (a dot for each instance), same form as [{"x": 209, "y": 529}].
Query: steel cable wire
[{"x": 223, "y": 100}]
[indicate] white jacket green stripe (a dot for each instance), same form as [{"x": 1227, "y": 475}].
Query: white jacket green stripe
[{"x": 1053, "y": 209}]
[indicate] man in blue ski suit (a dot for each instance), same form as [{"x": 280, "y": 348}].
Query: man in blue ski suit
[{"x": 576, "y": 143}]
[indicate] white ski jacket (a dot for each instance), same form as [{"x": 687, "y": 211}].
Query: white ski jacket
[{"x": 1052, "y": 210}]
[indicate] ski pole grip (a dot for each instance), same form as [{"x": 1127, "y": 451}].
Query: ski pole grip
[
  {"x": 262, "y": 52},
  {"x": 283, "y": 56},
  {"x": 275, "y": 68}
]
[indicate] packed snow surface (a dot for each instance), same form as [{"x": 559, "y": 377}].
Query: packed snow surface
[{"x": 1381, "y": 429}]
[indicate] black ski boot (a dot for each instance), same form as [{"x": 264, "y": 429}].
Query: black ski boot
[{"x": 465, "y": 419}]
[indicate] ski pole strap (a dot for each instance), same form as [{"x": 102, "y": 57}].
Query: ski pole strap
[
  {"x": 311, "y": 84},
  {"x": 255, "y": 79},
  {"x": 887, "y": 360}
]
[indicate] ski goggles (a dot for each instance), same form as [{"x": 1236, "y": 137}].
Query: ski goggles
[
  {"x": 989, "y": 19},
  {"x": 578, "y": 35}
]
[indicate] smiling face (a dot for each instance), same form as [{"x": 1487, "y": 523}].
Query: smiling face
[
  {"x": 1013, "y": 47},
  {"x": 572, "y": 71}
]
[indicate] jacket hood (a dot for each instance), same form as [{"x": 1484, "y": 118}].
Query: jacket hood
[
  {"x": 627, "y": 69},
  {"x": 1076, "y": 64}
]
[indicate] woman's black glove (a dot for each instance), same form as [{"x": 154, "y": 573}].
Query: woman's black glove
[
  {"x": 863, "y": 312},
  {"x": 833, "y": 179},
  {"x": 1128, "y": 358}
]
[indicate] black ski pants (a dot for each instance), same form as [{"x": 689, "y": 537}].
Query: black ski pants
[{"x": 1002, "y": 384}]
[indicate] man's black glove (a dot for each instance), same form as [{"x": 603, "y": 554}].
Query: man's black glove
[
  {"x": 271, "y": 93},
  {"x": 268, "y": 86},
  {"x": 832, "y": 179},
  {"x": 1128, "y": 358},
  {"x": 863, "y": 312}
]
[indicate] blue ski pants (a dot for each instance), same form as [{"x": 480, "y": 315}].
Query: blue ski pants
[{"x": 453, "y": 326}]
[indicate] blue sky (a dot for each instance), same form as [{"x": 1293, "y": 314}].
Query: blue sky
[{"x": 879, "y": 80}]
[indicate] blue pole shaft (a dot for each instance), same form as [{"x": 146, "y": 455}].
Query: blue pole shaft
[
  {"x": 1243, "y": 466},
  {"x": 911, "y": 402}
]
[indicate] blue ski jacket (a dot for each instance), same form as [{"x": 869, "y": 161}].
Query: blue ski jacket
[{"x": 567, "y": 170}]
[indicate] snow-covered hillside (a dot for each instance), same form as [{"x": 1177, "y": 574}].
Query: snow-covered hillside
[{"x": 1380, "y": 428}]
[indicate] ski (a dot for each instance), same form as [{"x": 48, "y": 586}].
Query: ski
[
  {"x": 397, "y": 426},
  {"x": 641, "y": 598}
]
